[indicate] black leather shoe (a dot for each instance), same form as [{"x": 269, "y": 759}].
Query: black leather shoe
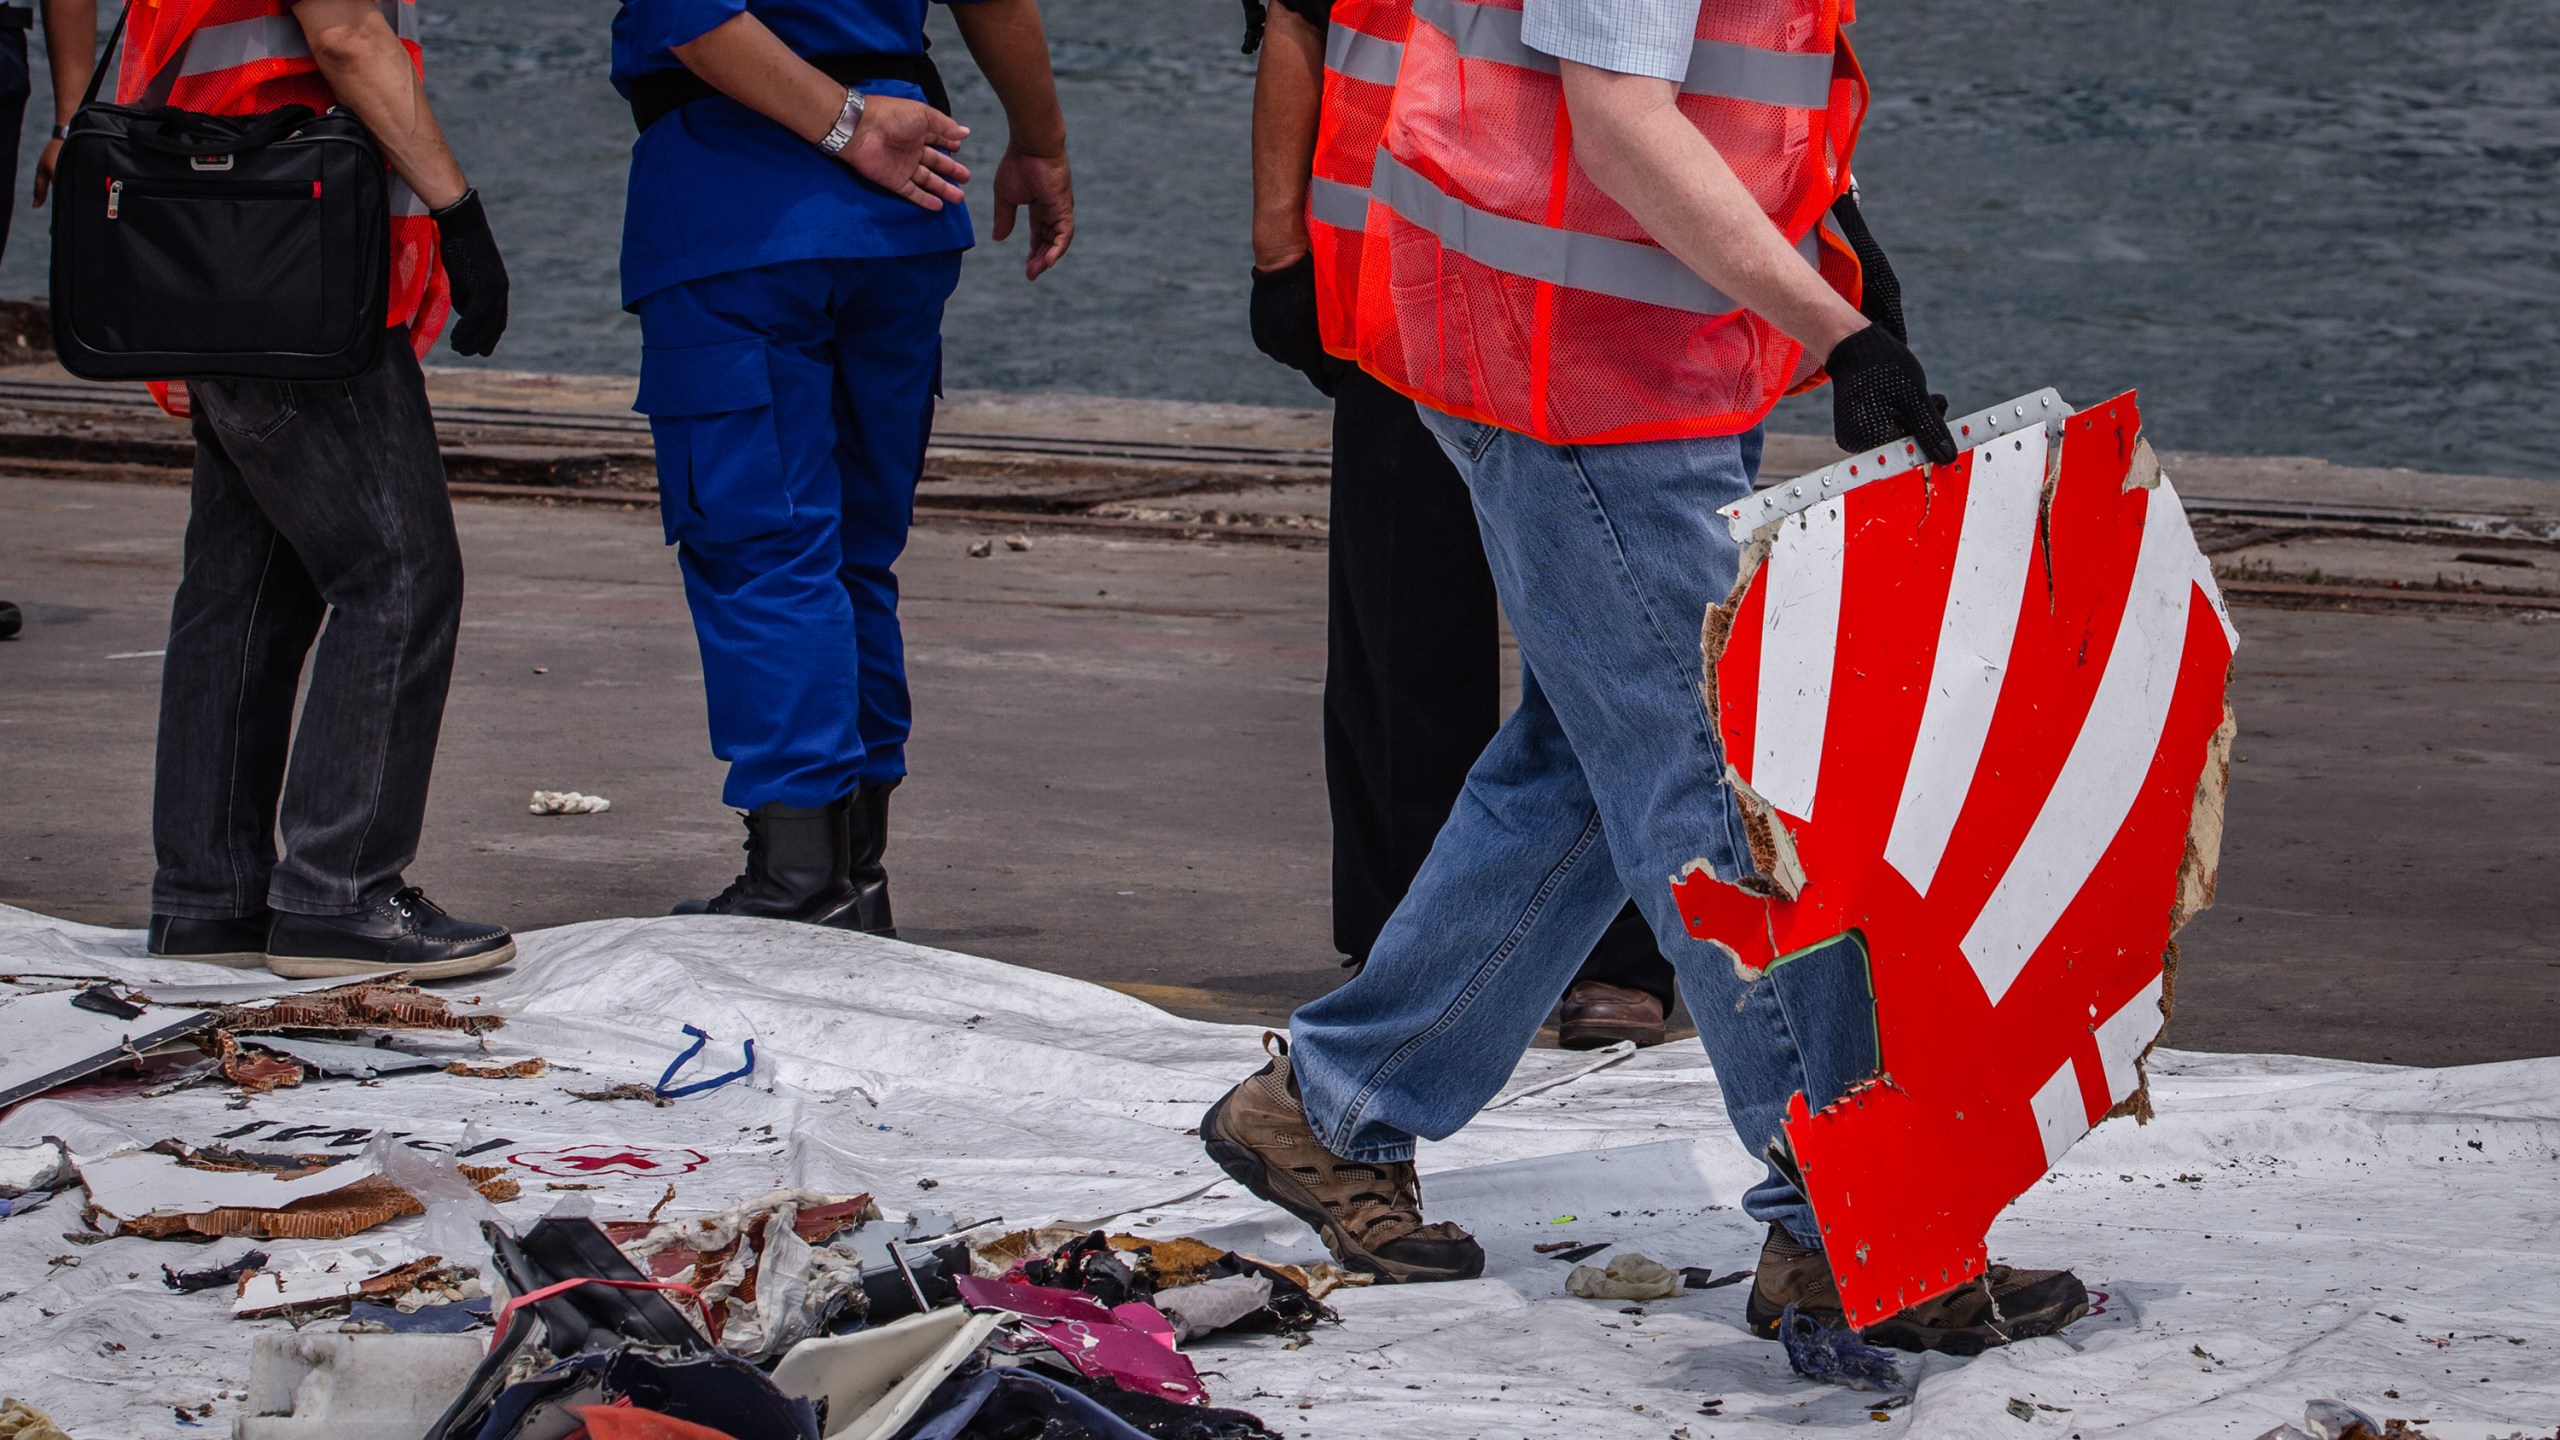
[
  {"x": 240, "y": 943},
  {"x": 10, "y": 620},
  {"x": 798, "y": 867},
  {"x": 403, "y": 932},
  {"x": 870, "y": 840}
]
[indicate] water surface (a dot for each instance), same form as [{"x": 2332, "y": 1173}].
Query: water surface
[{"x": 2321, "y": 230}]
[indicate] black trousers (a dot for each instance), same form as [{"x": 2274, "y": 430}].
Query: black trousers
[
  {"x": 1413, "y": 672},
  {"x": 311, "y": 502}
]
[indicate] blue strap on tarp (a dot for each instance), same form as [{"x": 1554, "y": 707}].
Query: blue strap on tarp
[{"x": 668, "y": 1091}]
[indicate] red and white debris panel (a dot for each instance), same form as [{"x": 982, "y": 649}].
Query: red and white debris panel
[{"x": 1976, "y": 716}]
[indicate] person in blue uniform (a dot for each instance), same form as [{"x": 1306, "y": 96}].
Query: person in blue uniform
[{"x": 794, "y": 227}]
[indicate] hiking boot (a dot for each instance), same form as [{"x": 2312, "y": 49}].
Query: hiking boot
[
  {"x": 1597, "y": 1013},
  {"x": 798, "y": 868},
  {"x": 239, "y": 943},
  {"x": 404, "y": 932},
  {"x": 868, "y": 839},
  {"x": 1989, "y": 1310},
  {"x": 1369, "y": 1214}
]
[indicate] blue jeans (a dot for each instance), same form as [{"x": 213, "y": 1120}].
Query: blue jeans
[
  {"x": 791, "y": 404},
  {"x": 1605, "y": 784}
]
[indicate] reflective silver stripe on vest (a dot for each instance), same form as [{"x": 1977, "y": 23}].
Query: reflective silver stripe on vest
[
  {"x": 1626, "y": 269},
  {"x": 1570, "y": 258},
  {"x": 217, "y": 48},
  {"x": 1344, "y": 207},
  {"x": 1716, "y": 67},
  {"x": 1773, "y": 77},
  {"x": 1362, "y": 56}
]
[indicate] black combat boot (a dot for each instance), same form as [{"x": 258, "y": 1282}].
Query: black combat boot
[
  {"x": 798, "y": 866},
  {"x": 870, "y": 840}
]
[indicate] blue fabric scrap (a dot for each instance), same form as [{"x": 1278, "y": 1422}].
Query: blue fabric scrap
[
  {"x": 1833, "y": 1353},
  {"x": 667, "y": 1089}
]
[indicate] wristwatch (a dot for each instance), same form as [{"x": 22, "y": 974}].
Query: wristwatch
[{"x": 849, "y": 117}]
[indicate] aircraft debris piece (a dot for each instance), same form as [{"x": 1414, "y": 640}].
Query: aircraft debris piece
[
  {"x": 174, "y": 1190},
  {"x": 51, "y": 1038},
  {"x": 1975, "y": 716}
]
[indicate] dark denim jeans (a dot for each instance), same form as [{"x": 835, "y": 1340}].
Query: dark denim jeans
[{"x": 311, "y": 501}]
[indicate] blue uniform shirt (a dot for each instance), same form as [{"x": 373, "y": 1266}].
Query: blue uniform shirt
[{"x": 716, "y": 187}]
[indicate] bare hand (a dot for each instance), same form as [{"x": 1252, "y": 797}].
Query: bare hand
[
  {"x": 44, "y": 171},
  {"x": 1041, "y": 182},
  {"x": 903, "y": 146}
]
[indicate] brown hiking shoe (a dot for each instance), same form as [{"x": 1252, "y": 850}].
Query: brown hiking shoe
[
  {"x": 1369, "y": 1215},
  {"x": 1597, "y": 1013},
  {"x": 1989, "y": 1310}
]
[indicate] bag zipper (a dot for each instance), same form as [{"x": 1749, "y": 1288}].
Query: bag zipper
[{"x": 272, "y": 190}]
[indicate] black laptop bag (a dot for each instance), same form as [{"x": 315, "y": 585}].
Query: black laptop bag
[{"x": 249, "y": 246}]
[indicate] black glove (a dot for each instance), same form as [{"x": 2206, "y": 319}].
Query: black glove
[
  {"x": 1881, "y": 299},
  {"x": 1879, "y": 396},
  {"x": 478, "y": 275},
  {"x": 1284, "y": 323}
]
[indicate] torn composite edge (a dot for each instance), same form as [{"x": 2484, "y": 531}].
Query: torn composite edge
[
  {"x": 377, "y": 1004},
  {"x": 1777, "y": 872},
  {"x": 2199, "y": 873}
]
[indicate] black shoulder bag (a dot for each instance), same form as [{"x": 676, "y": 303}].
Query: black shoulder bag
[{"x": 247, "y": 246}]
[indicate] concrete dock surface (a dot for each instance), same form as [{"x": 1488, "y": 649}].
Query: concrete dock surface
[{"x": 1117, "y": 767}]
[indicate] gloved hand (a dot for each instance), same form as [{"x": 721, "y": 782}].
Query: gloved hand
[
  {"x": 1881, "y": 299},
  {"x": 1879, "y": 396},
  {"x": 479, "y": 276},
  {"x": 1284, "y": 323}
]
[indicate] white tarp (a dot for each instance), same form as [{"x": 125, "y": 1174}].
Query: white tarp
[{"x": 2288, "y": 1229}]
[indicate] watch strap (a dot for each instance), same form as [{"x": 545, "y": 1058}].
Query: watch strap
[{"x": 842, "y": 135}]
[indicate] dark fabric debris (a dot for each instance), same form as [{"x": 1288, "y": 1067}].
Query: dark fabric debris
[
  {"x": 447, "y": 1319},
  {"x": 187, "y": 1282},
  {"x": 104, "y": 1000},
  {"x": 1833, "y": 1353},
  {"x": 1699, "y": 1277}
]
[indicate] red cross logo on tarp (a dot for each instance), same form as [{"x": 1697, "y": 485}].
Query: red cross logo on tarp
[
  {"x": 588, "y": 1162},
  {"x": 1976, "y": 716}
]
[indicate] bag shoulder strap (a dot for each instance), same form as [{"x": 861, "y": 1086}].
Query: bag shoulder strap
[
  {"x": 98, "y": 72},
  {"x": 162, "y": 84}
]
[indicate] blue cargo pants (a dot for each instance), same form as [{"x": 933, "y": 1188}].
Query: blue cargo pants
[{"x": 790, "y": 404}]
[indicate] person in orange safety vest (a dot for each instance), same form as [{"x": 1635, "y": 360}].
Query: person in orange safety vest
[
  {"x": 316, "y": 502},
  {"x": 1413, "y": 659},
  {"x": 1588, "y": 238}
]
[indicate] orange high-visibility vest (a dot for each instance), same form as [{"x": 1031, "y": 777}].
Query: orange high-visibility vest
[
  {"x": 1362, "y": 49},
  {"x": 242, "y": 57},
  {"x": 1496, "y": 282}
]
